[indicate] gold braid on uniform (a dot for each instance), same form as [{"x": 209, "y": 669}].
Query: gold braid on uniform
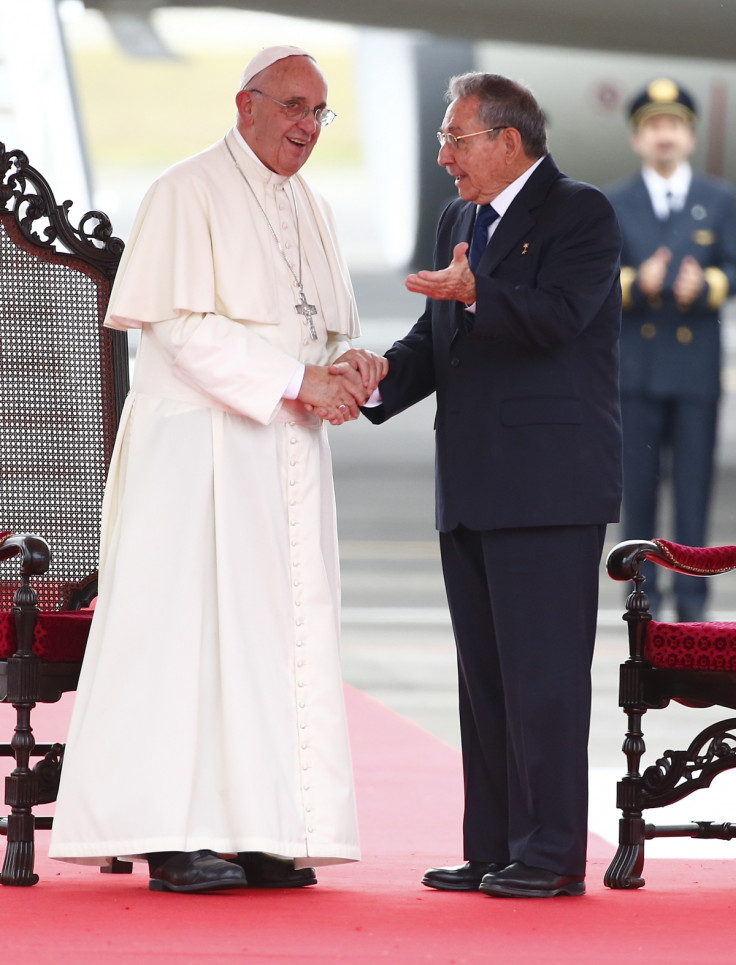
[
  {"x": 717, "y": 283},
  {"x": 628, "y": 277}
]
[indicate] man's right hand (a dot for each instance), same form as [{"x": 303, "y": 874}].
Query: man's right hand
[
  {"x": 456, "y": 282},
  {"x": 333, "y": 393},
  {"x": 652, "y": 272}
]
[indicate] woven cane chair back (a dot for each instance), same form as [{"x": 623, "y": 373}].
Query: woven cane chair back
[{"x": 63, "y": 377}]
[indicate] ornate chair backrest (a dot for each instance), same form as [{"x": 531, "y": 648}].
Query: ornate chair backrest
[{"x": 63, "y": 377}]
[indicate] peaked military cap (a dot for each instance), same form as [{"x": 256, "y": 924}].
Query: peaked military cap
[{"x": 662, "y": 96}]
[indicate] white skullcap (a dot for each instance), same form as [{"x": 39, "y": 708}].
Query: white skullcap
[{"x": 264, "y": 58}]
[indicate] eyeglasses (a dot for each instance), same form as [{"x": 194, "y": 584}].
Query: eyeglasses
[
  {"x": 454, "y": 139},
  {"x": 296, "y": 111}
]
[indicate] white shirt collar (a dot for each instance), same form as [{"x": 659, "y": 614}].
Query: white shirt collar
[
  {"x": 502, "y": 201},
  {"x": 668, "y": 194}
]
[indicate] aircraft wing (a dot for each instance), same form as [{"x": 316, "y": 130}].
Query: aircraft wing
[{"x": 688, "y": 28}]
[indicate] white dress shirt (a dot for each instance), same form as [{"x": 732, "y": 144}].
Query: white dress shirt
[{"x": 668, "y": 194}]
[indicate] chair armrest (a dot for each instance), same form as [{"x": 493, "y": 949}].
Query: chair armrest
[
  {"x": 695, "y": 560},
  {"x": 34, "y": 551},
  {"x": 625, "y": 560}
]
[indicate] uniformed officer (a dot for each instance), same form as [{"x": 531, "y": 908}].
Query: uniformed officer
[{"x": 678, "y": 268}]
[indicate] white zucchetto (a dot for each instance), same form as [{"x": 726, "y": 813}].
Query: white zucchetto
[{"x": 265, "y": 58}]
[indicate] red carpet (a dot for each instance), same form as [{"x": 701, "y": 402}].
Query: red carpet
[{"x": 409, "y": 796}]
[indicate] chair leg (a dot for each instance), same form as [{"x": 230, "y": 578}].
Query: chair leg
[
  {"x": 624, "y": 872},
  {"x": 626, "y": 867},
  {"x": 21, "y": 794},
  {"x": 21, "y": 786},
  {"x": 20, "y": 852}
]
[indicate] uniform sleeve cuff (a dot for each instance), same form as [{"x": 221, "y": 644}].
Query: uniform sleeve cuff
[
  {"x": 717, "y": 282},
  {"x": 628, "y": 277}
]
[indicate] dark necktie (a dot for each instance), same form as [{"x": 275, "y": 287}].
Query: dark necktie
[
  {"x": 673, "y": 203},
  {"x": 485, "y": 217}
]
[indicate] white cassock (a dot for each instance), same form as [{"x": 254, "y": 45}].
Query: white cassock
[{"x": 210, "y": 710}]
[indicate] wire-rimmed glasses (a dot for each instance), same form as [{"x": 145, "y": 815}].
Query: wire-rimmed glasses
[
  {"x": 454, "y": 139},
  {"x": 296, "y": 111}
]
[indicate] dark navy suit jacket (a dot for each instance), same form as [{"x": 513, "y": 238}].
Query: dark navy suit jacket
[
  {"x": 528, "y": 425},
  {"x": 667, "y": 352}
]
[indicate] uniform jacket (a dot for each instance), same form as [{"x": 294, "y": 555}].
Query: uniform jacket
[
  {"x": 667, "y": 351},
  {"x": 528, "y": 423}
]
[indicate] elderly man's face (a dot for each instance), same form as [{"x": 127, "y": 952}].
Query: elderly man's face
[
  {"x": 282, "y": 144},
  {"x": 479, "y": 164}
]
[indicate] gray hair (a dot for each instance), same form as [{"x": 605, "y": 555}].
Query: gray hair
[{"x": 504, "y": 103}]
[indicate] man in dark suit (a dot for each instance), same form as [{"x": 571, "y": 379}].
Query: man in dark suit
[
  {"x": 679, "y": 265},
  {"x": 521, "y": 351}
]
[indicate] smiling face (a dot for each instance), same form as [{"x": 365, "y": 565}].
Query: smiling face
[
  {"x": 482, "y": 166},
  {"x": 283, "y": 145}
]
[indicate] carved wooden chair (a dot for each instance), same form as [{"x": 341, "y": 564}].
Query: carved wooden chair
[
  {"x": 693, "y": 663},
  {"x": 63, "y": 381}
]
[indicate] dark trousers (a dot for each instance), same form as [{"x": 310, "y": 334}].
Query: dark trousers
[
  {"x": 523, "y": 604},
  {"x": 683, "y": 433}
]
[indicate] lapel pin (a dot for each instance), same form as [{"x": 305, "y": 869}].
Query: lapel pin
[{"x": 525, "y": 248}]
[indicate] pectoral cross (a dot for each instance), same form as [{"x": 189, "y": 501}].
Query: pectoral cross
[{"x": 307, "y": 310}]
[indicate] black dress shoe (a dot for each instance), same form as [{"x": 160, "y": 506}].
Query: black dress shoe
[
  {"x": 461, "y": 877},
  {"x": 520, "y": 881},
  {"x": 192, "y": 871},
  {"x": 269, "y": 871}
]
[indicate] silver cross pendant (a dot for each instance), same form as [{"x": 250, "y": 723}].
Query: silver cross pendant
[{"x": 307, "y": 310}]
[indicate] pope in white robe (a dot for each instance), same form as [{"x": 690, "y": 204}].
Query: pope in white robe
[{"x": 209, "y": 713}]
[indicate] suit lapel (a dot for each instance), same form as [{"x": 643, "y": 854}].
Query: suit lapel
[
  {"x": 511, "y": 230},
  {"x": 519, "y": 218},
  {"x": 517, "y": 222},
  {"x": 463, "y": 229},
  {"x": 643, "y": 200}
]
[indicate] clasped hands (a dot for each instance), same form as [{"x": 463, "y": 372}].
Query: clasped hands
[
  {"x": 687, "y": 285},
  {"x": 335, "y": 392}
]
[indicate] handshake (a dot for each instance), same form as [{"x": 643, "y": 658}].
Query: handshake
[{"x": 335, "y": 392}]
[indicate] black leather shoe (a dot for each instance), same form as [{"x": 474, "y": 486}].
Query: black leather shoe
[
  {"x": 460, "y": 877},
  {"x": 193, "y": 871},
  {"x": 269, "y": 871},
  {"x": 520, "y": 881}
]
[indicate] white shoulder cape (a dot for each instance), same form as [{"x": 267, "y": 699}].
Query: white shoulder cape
[{"x": 200, "y": 244}]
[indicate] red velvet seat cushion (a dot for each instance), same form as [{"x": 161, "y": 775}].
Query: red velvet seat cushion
[
  {"x": 59, "y": 637},
  {"x": 691, "y": 646}
]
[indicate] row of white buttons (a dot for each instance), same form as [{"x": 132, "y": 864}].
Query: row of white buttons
[{"x": 299, "y": 622}]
